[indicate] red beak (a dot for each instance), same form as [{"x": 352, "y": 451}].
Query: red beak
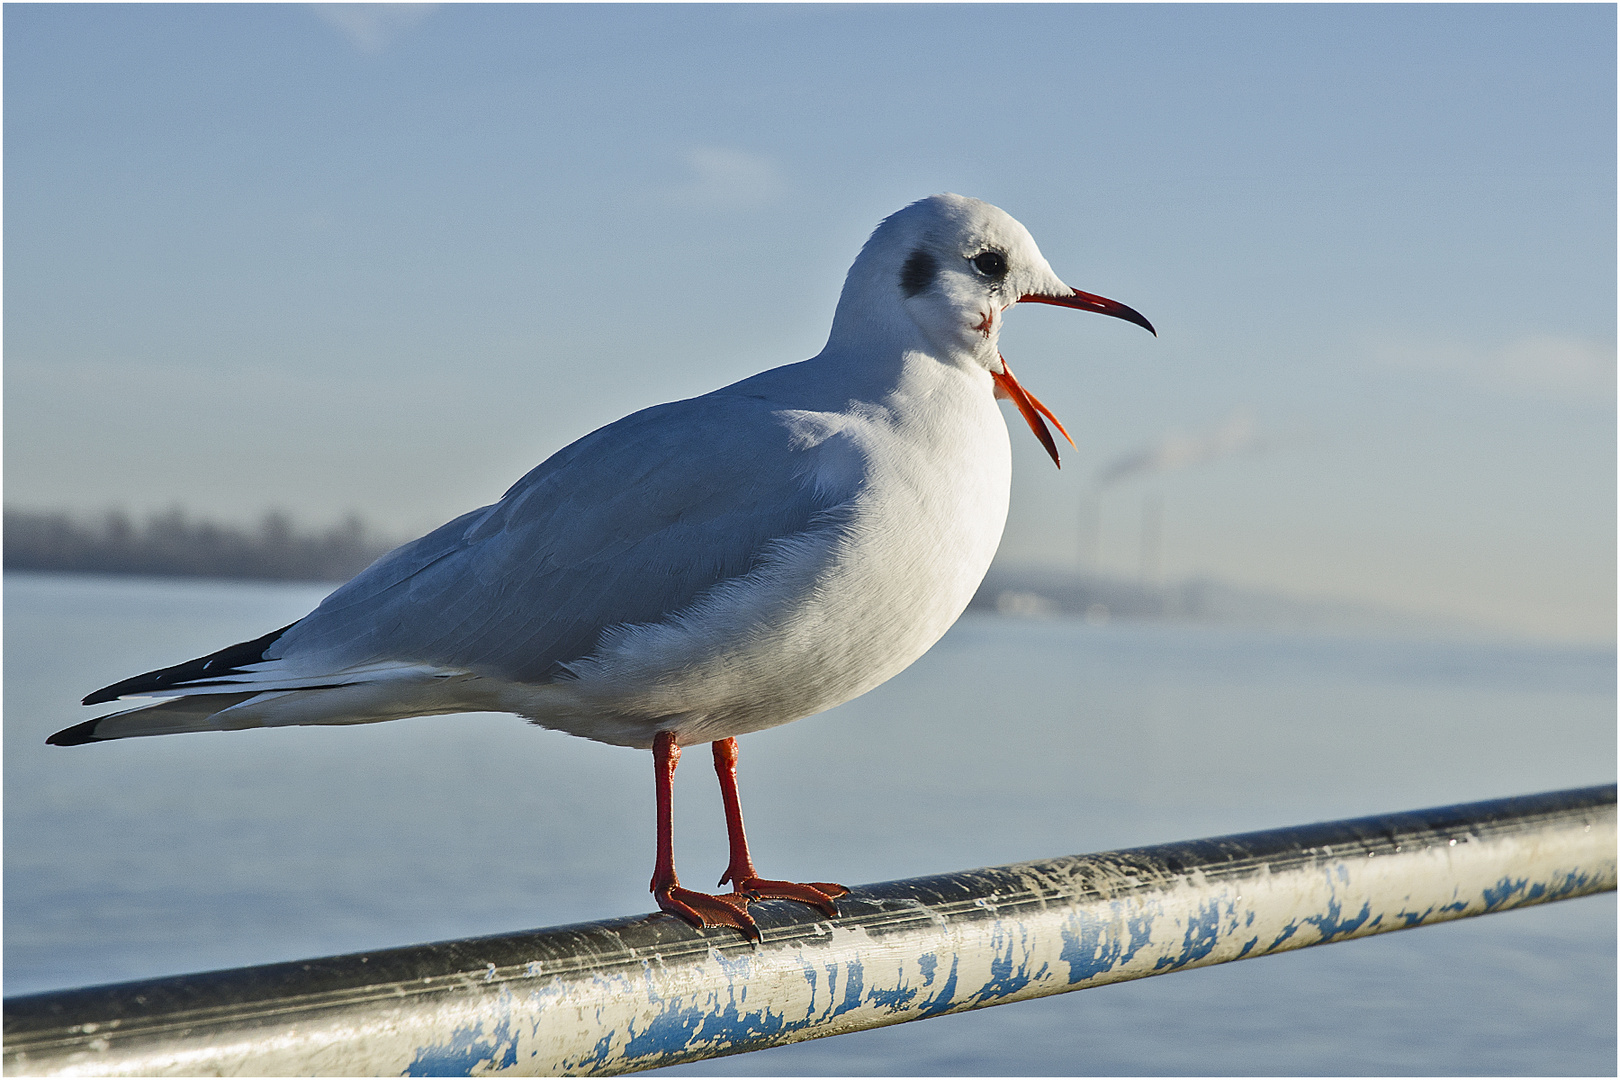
[
  {"x": 1084, "y": 301},
  {"x": 1028, "y": 404},
  {"x": 1031, "y": 408}
]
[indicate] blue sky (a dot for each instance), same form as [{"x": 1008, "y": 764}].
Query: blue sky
[{"x": 386, "y": 259}]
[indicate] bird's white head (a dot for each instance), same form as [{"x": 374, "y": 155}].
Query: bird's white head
[{"x": 946, "y": 268}]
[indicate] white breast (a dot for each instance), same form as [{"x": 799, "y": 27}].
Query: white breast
[{"x": 837, "y": 609}]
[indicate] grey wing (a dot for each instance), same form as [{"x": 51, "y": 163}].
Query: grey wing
[{"x": 627, "y": 525}]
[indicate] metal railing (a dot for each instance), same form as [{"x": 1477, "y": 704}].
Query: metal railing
[{"x": 630, "y": 994}]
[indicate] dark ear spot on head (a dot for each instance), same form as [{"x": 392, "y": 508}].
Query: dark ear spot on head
[{"x": 918, "y": 273}]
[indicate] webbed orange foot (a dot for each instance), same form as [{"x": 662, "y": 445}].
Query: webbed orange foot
[
  {"x": 704, "y": 909},
  {"x": 818, "y": 894}
]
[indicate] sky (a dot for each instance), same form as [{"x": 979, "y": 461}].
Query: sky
[{"x": 385, "y": 259}]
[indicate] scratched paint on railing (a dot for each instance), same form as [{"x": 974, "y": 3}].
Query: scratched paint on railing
[{"x": 796, "y": 990}]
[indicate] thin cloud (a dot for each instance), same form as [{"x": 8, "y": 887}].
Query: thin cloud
[
  {"x": 1235, "y": 435},
  {"x": 1561, "y": 367},
  {"x": 722, "y": 176},
  {"x": 371, "y": 28},
  {"x": 1545, "y": 366}
]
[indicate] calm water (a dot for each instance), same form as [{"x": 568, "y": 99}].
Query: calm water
[{"x": 1011, "y": 740}]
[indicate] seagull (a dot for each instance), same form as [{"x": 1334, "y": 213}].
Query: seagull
[{"x": 699, "y": 569}]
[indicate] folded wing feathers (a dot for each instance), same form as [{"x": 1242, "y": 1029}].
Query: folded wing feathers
[{"x": 513, "y": 591}]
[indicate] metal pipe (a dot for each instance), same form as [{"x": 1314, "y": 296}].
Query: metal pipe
[{"x": 629, "y": 994}]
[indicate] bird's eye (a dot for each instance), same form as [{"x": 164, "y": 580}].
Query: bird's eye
[{"x": 992, "y": 264}]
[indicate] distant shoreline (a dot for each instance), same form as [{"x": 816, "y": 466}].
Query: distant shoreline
[{"x": 172, "y": 544}]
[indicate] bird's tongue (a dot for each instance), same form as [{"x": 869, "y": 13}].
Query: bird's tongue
[{"x": 1031, "y": 408}]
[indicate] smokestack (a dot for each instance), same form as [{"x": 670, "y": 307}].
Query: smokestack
[
  {"x": 1152, "y": 537},
  {"x": 1177, "y": 451}
]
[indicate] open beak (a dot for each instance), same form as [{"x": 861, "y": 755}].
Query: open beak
[
  {"x": 1031, "y": 408},
  {"x": 1084, "y": 301},
  {"x": 1035, "y": 414}
]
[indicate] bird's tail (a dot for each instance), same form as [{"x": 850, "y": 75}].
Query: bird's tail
[
  {"x": 240, "y": 687},
  {"x": 190, "y": 713}
]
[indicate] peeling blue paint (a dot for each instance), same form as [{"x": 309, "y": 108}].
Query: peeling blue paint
[
  {"x": 1247, "y": 945},
  {"x": 1083, "y": 949},
  {"x": 1091, "y": 945},
  {"x": 1510, "y": 892},
  {"x": 1574, "y": 881},
  {"x": 927, "y": 963},
  {"x": 810, "y": 977},
  {"x": 731, "y": 1025},
  {"x": 896, "y": 999},
  {"x": 1141, "y": 930},
  {"x": 680, "y": 1027},
  {"x": 1410, "y": 919},
  {"x": 667, "y": 1032},
  {"x": 1331, "y": 925},
  {"x": 941, "y": 1001},
  {"x": 1007, "y": 976},
  {"x": 853, "y": 980},
  {"x": 467, "y": 1049},
  {"x": 1287, "y": 932},
  {"x": 1203, "y": 931},
  {"x": 1501, "y": 892}
]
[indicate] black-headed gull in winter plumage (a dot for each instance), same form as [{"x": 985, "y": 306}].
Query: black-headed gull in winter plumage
[{"x": 700, "y": 569}]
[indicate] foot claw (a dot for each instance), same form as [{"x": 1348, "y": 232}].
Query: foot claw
[
  {"x": 818, "y": 894},
  {"x": 832, "y": 890}
]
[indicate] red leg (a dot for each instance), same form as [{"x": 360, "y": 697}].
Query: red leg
[
  {"x": 699, "y": 909},
  {"x": 745, "y": 880},
  {"x": 725, "y": 767}
]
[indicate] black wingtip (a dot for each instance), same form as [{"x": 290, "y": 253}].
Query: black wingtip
[
  {"x": 203, "y": 671},
  {"x": 77, "y": 735}
]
